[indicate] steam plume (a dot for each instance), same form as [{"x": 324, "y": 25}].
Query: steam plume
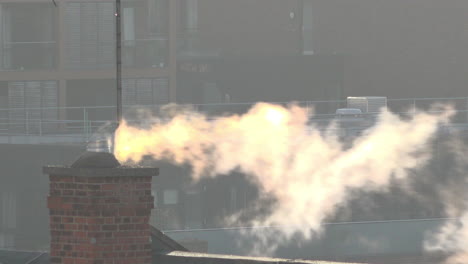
[
  {"x": 452, "y": 237},
  {"x": 308, "y": 173}
]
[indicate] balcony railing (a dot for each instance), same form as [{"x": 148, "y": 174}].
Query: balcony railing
[
  {"x": 83, "y": 122},
  {"x": 18, "y": 56}
]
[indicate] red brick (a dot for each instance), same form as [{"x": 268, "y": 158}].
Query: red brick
[
  {"x": 92, "y": 227},
  {"x": 80, "y": 220},
  {"x": 70, "y": 226},
  {"x": 80, "y": 193},
  {"x": 141, "y": 226},
  {"x": 142, "y": 212},
  {"x": 96, "y": 180},
  {"x": 97, "y": 235},
  {"x": 112, "y": 210},
  {"x": 82, "y": 261},
  {"x": 81, "y": 179},
  {"x": 54, "y": 201},
  {"x": 79, "y": 234},
  {"x": 68, "y": 220},
  {"x": 142, "y": 186},
  {"x": 56, "y": 219},
  {"x": 82, "y": 247},
  {"x": 110, "y": 186},
  {"x": 95, "y": 221},
  {"x": 109, "y": 220},
  {"x": 109, "y": 227},
  {"x": 127, "y": 241},
  {"x": 68, "y": 192},
  {"x": 108, "y": 261},
  {"x": 124, "y": 227},
  {"x": 127, "y": 254},
  {"x": 141, "y": 240},
  {"x": 127, "y": 212},
  {"x": 110, "y": 255}
]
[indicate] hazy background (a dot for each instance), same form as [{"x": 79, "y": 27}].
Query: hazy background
[{"x": 58, "y": 88}]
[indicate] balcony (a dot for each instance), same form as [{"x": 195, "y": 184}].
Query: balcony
[{"x": 22, "y": 56}]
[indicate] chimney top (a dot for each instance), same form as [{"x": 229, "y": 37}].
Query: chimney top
[
  {"x": 99, "y": 164},
  {"x": 96, "y": 160}
]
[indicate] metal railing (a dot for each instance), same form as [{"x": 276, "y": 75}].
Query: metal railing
[{"x": 85, "y": 121}]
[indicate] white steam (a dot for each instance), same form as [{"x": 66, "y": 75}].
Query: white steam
[
  {"x": 307, "y": 173},
  {"x": 452, "y": 237}
]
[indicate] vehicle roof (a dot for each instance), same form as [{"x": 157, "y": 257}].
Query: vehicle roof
[{"x": 348, "y": 111}]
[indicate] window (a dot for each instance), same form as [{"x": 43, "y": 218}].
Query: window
[
  {"x": 145, "y": 91},
  {"x": 89, "y": 35},
  {"x": 145, "y": 34},
  {"x": 191, "y": 14},
  {"x": 171, "y": 197},
  {"x": 25, "y": 98},
  {"x": 158, "y": 19},
  {"x": 129, "y": 26},
  {"x": 188, "y": 22},
  {"x": 27, "y": 39}
]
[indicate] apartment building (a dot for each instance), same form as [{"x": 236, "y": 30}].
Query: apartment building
[
  {"x": 57, "y": 53},
  {"x": 62, "y": 53},
  {"x": 246, "y": 51}
]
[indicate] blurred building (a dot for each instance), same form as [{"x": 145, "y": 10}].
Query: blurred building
[{"x": 61, "y": 53}]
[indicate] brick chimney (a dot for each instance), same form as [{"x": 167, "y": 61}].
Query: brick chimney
[{"x": 99, "y": 212}]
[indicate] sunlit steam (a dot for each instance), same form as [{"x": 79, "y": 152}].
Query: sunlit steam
[
  {"x": 452, "y": 237},
  {"x": 308, "y": 173}
]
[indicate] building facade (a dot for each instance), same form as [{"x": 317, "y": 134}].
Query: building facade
[{"x": 61, "y": 53}]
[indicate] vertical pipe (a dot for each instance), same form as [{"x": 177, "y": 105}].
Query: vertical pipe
[
  {"x": 172, "y": 42},
  {"x": 118, "y": 57}
]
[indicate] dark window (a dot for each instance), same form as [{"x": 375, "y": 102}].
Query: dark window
[{"x": 27, "y": 39}]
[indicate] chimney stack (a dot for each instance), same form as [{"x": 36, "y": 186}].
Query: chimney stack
[{"x": 99, "y": 212}]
